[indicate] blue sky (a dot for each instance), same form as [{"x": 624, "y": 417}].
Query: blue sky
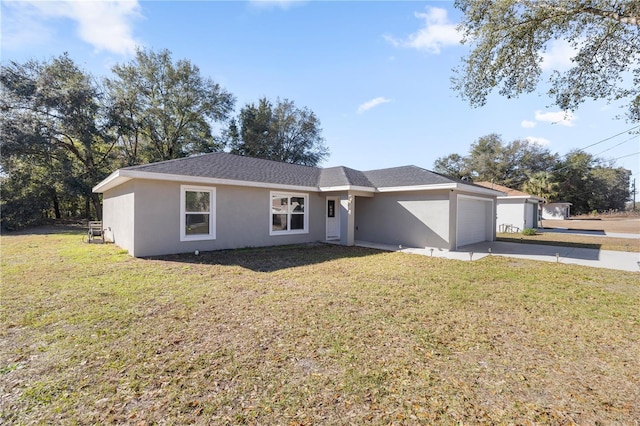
[{"x": 377, "y": 74}]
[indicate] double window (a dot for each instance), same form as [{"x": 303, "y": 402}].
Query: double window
[
  {"x": 197, "y": 213},
  {"x": 289, "y": 214}
]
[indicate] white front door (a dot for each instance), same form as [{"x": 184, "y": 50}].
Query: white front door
[{"x": 332, "y": 213}]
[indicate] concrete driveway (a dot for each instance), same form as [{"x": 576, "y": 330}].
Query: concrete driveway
[
  {"x": 623, "y": 261},
  {"x": 590, "y": 232}
]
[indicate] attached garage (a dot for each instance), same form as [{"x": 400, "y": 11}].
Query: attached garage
[{"x": 474, "y": 221}]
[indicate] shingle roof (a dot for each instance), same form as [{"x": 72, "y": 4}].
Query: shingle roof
[
  {"x": 341, "y": 176},
  {"x": 222, "y": 165},
  {"x": 225, "y": 166},
  {"x": 405, "y": 176}
]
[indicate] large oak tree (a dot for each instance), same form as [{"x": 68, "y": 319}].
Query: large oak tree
[
  {"x": 280, "y": 132},
  {"x": 509, "y": 37},
  {"x": 54, "y": 136},
  {"x": 164, "y": 109}
]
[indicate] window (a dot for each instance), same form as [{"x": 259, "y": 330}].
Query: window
[
  {"x": 197, "y": 213},
  {"x": 288, "y": 214}
]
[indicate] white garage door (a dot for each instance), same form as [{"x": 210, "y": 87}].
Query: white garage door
[{"x": 473, "y": 221}]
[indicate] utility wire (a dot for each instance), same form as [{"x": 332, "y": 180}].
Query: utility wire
[
  {"x": 628, "y": 155},
  {"x": 610, "y": 137},
  {"x": 609, "y": 149}
]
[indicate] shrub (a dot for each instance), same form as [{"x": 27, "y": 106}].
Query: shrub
[{"x": 529, "y": 231}]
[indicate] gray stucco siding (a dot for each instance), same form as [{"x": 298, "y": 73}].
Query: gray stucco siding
[
  {"x": 242, "y": 218},
  {"x": 413, "y": 219},
  {"x": 118, "y": 216}
]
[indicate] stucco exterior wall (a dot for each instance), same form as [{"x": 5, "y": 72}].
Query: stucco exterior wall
[
  {"x": 118, "y": 207},
  {"x": 413, "y": 219},
  {"x": 555, "y": 211},
  {"x": 242, "y": 219},
  {"x": 511, "y": 212}
]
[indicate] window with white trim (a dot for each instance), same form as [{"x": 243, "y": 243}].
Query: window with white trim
[
  {"x": 289, "y": 214},
  {"x": 197, "y": 213}
]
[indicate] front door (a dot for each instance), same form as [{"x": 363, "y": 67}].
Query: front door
[{"x": 333, "y": 218}]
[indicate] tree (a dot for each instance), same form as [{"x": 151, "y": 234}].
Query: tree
[
  {"x": 572, "y": 173},
  {"x": 590, "y": 183},
  {"x": 453, "y": 165},
  {"x": 542, "y": 184},
  {"x": 490, "y": 159},
  {"x": 484, "y": 160},
  {"x": 610, "y": 188},
  {"x": 280, "y": 132},
  {"x": 164, "y": 110},
  {"x": 52, "y": 133},
  {"x": 509, "y": 38}
]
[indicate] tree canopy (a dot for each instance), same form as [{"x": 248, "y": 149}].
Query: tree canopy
[
  {"x": 163, "y": 110},
  {"x": 280, "y": 132},
  {"x": 509, "y": 38},
  {"x": 588, "y": 182},
  {"x": 492, "y": 160},
  {"x": 63, "y": 130},
  {"x": 55, "y": 142}
]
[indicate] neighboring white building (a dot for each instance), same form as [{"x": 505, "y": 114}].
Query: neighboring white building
[
  {"x": 516, "y": 210},
  {"x": 556, "y": 211}
]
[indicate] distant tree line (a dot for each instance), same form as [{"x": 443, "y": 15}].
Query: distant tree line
[
  {"x": 63, "y": 130},
  {"x": 589, "y": 183}
]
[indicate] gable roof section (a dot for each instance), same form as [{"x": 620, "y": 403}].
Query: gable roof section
[
  {"x": 405, "y": 176},
  {"x": 222, "y": 165},
  {"x": 513, "y": 193},
  {"x": 343, "y": 177},
  {"x": 222, "y": 168}
]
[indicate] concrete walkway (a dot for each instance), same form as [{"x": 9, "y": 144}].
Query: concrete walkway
[
  {"x": 586, "y": 232},
  {"x": 623, "y": 261}
]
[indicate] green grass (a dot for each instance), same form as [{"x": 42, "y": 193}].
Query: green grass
[{"x": 317, "y": 334}]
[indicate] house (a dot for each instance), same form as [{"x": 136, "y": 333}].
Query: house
[
  {"x": 517, "y": 210},
  {"x": 556, "y": 211},
  {"x": 224, "y": 201}
]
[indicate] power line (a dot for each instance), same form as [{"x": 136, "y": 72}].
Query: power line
[
  {"x": 609, "y": 149},
  {"x": 628, "y": 155},
  {"x": 610, "y": 137}
]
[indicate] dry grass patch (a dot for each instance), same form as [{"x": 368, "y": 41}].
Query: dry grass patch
[{"x": 317, "y": 334}]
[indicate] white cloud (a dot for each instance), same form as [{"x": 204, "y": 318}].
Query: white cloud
[
  {"x": 564, "y": 118},
  {"x": 106, "y": 25},
  {"x": 558, "y": 56},
  {"x": 527, "y": 124},
  {"x": 372, "y": 104},
  {"x": 438, "y": 32},
  {"x": 538, "y": 141}
]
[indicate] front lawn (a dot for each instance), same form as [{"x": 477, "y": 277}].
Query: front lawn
[{"x": 317, "y": 334}]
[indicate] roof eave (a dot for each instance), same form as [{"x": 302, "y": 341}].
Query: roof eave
[
  {"x": 346, "y": 188},
  {"x": 122, "y": 175},
  {"x": 427, "y": 187},
  {"x": 520, "y": 197},
  {"x": 441, "y": 186},
  {"x": 116, "y": 178}
]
